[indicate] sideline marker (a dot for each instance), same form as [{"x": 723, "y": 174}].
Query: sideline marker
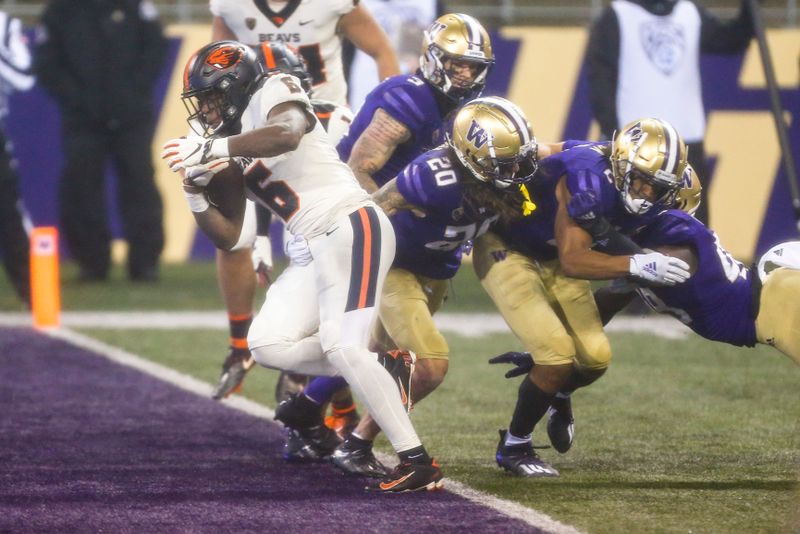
[{"x": 45, "y": 289}]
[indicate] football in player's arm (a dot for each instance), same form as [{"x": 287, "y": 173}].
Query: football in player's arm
[{"x": 318, "y": 197}]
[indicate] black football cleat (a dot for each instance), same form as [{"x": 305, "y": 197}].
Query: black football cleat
[
  {"x": 298, "y": 411},
  {"x": 561, "y": 424},
  {"x": 308, "y": 445},
  {"x": 237, "y": 364},
  {"x": 411, "y": 477},
  {"x": 521, "y": 460},
  {"x": 400, "y": 364},
  {"x": 355, "y": 459}
]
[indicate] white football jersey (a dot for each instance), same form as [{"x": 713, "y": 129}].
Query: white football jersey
[
  {"x": 310, "y": 187},
  {"x": 307, "y": 25}
]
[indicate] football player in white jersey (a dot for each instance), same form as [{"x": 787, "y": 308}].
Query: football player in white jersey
[
  {"x": 315, "y": 28},
  {"x": 294, "y": 170}
]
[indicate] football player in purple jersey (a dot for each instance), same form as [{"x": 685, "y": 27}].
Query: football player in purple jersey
[
  {"x": 723, "y": 300},
  {"x": 438, "y": 204},
  {"x": 537, "y": 271},
  {"x": 405, "y": 116}
]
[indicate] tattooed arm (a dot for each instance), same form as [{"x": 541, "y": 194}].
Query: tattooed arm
[
  {"x": 375, "y": 146},
  {"x": 391, "y": 200}
]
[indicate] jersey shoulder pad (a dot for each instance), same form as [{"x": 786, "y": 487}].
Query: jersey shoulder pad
[
  {"x": 277, "y": 90},
  {"x": 408, "y": 99},
  {"x": 428, "y": 179}
]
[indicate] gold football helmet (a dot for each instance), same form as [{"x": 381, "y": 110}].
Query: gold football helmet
[
  {"x": 650, "y": 152},
  {"x": 492, "y": 138},
  {"x": 688, "y": 198},
  {"x": 456, "y": 55}
]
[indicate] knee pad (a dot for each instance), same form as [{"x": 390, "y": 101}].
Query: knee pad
[{"x": 596, "y": 354}]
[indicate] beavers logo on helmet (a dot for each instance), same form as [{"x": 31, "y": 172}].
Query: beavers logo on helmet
[{"x": 224, "y": 57}]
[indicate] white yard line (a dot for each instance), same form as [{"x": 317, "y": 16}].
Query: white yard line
[
  {"x": 198, "y": 387},
  {"x": 465, "y": 324}
]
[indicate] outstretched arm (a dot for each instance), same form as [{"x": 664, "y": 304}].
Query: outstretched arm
[
  {"x": 361, "y": 28},
  {"x": 391, "y": 200}
]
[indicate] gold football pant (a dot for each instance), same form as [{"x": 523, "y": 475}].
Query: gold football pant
[
  {"x": 406, "y": 310},
  {"x": 778, "y": 322},
  {"x": 554, "y": 316}
]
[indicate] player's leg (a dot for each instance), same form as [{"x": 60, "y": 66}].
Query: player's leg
[
  {"x": 237, "y": 283},
  {"x": 406, "y": 311},
  {"x": 778, "y": 322},
  {"x": 351, "y": 264},
  {"x": 515, "y": 285},
  {"x": 593, "y": 351},
  {"x": 14, "y": 224},
  {"x": 284, "y": 334}
]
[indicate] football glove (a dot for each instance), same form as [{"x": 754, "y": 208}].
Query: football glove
[
  {"x": 522, "y": 360},
  {"x": 262, "y": 260},
  {"x": 298, "y": 251},
  {"x": 183, "y": 152},
  {"x": 201, "y": 175},
  {"x": 659, "y": 269}
]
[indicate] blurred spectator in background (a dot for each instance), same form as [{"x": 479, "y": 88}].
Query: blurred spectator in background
[
  {"x": 15, "y": 75},
  {"x": 644, "y": 61},
  {"x": 403, "y": 21},
  {"x": 99, "y": 60}
]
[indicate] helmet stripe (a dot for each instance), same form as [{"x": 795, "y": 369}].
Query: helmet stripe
[
  {"x": 189, "y": 65},
  {"x": 475, "y": 35},
  {"x": 269, "y": 58},
  {"x": 673, "y": 145},
  {"x": 514, "y": 114}
]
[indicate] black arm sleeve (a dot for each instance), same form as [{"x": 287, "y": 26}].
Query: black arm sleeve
[
  {"x": 726, "y": 37},
  {"x": 263, "y": 220},
  {"x": 610, "y": 302},
  {"x": 602, "y": 61},
  {"x": 608, "y": 240}
]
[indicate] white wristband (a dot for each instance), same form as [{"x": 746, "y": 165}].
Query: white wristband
[
  {"x": 219, "y": 149},
  {"x": 197, "y": 201}
]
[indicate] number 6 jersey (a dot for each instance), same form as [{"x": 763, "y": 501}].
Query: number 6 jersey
[{"x": 310, "y": 187}]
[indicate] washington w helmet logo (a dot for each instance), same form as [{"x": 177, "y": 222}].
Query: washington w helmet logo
[
  {"x": 477, "y": 135},
  {"x": 635, "y": 132}
]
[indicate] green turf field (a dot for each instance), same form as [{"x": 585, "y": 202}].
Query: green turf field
[{"x": 679, "y": 436}]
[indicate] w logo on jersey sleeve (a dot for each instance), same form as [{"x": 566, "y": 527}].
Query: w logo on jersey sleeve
[{"x": 477, "y": 135}]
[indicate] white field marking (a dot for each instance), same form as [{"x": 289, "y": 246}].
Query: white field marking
[
  {"x": 464, "y": 324},
  {"x": 198, "y": 387}
]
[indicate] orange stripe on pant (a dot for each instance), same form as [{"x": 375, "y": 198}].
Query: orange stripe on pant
[{"x": 362, "y": 295}]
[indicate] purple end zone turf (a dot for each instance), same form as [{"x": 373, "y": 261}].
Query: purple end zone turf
[{"x": 88, "y": 445}]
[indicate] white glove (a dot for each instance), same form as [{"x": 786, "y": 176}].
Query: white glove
[
  {"x": 298, "y": 251},
  {"x": 183, "y": 153},
  {"x": 262, "y": 260},
  {"x": 200, "y": 175},
  {"x": 659, "y": 269}
]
